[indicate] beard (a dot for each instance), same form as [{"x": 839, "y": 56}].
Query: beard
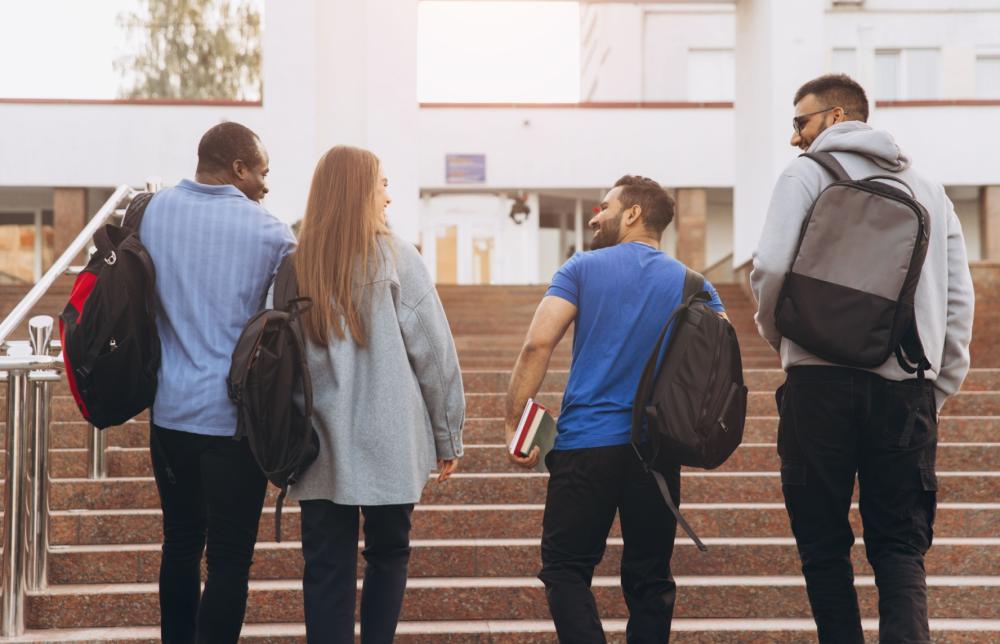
[
  {"x": 607, "y": 235},
  {"x": 822, "y": 128}
]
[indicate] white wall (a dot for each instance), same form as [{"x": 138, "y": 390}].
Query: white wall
[
  {"x": 610, "y": 52},
  {"x": 580, "y": 148},
  {"x": 366, "y": 83},
  {"x": 669, "y": 35},
  {"x": 958, "y": 29},
  {"x": 639, "y": 51}
]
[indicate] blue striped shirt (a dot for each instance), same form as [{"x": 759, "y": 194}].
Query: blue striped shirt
[{"x": 215, "y": 252}]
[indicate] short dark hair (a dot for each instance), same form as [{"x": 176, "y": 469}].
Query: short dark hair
[
  {"x": 656, "y": 203},
  {"x": 223, "y": 144},
  {"x": 837, "y": 90}
]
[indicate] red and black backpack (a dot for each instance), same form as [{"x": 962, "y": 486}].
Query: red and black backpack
[{"x": 108, "y": 329}]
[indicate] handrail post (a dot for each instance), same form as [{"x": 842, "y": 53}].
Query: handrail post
[
  {"x": 40, "y": 332},
  {"x": 12, "y": 577},
  {"x": 97, "y": 448}
]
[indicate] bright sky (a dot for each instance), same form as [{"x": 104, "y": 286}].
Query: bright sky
[{"x": 476, "y": 51}]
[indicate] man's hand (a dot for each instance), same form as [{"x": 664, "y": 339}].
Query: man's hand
[
  {"x": 446, "y": 467},
  {"x": 527, "y": 462},
  {"x": 552, "y": 317}
]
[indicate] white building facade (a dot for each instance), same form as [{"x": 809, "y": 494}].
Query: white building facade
[{"x": 697, "y": 95}]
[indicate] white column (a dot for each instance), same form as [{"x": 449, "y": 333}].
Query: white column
[
  {"x": 867, "y": 39},
  {"x": 343, "y": 72},
  {"x": 288, "y": 125},
  {"x": 779, "y": 46},
  {"x": 530, "y": 232},
  {"x": 578, "y": 225},
  {"x": 563, "y": 229}
]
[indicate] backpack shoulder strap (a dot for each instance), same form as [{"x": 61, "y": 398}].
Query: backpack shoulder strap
[
  {"x": 135, "y": 211},
  {"x": 694, "y": 284},
  {"x": 911, "y": 352},
  {"x": 286, "y": 287},
  {"x": 694, "y": 289},
  {"x": 286, "y": 294},
  {"x": 829, "y": 163}
]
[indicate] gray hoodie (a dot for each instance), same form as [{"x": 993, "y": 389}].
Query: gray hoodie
[{"x": 944, "y": 298}]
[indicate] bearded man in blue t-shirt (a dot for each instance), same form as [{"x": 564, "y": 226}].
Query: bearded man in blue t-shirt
[{"x": 619, "y": 295}]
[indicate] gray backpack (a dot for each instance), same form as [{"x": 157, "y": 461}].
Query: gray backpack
[{"x": 848, "y": 297}]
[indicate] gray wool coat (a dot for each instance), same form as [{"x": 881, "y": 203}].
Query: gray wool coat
[{"x": 387, "y": 411}]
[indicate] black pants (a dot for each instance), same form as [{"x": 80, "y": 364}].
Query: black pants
[
  {"x": 329, "y": 584},
  {"x": 586, "y": 487},
  {"x": 217, "y": 495},
  {"x": 835, "y": 423}
]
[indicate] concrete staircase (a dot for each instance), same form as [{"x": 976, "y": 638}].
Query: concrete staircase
[{"x": 476, "y": 538}]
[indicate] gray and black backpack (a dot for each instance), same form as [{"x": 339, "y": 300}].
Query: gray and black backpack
[{"x": 849, "y": 295}]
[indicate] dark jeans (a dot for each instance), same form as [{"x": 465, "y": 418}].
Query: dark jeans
[
  {"x": 586, "y": 487},
  {"x": 217, "y": 496},
  {"x": 329, "y": 584},
  {"x": 835, "y": 423}
]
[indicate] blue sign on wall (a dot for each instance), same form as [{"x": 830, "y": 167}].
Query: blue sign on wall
[{"x": 465, "y": 168}]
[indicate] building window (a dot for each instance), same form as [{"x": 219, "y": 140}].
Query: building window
[
  {"x": 887, "y": 76},
  {"x": 988, "y": 76},
  {"x": 907, "y": 74},
  {"x": 923, "y": 73},
  {"x": 711, "y": 75},
  {"x": 844, "y": 61}
]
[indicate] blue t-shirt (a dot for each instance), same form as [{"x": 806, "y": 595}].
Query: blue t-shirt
[{"x": 624, "y": 295}]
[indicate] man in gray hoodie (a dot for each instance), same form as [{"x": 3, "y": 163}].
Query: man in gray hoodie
[{"x": 880, "y": 424}]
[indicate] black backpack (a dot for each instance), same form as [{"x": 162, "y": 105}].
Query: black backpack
[
  {"x": 695, "y": 406},
  {"x": 108, "y": 328},
  {"x": 268, "y": 366},
  {"x": 848, "y": 297}
]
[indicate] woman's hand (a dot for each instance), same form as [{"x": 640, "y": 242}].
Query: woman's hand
[{"x": 446, "y": 467}]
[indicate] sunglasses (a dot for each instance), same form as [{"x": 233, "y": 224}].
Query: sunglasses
[{"x": 799, "y": 122}]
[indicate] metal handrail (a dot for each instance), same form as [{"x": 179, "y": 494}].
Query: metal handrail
[
  {"x": 29, "y": 369},
  {"x": 59, "y": 267}
]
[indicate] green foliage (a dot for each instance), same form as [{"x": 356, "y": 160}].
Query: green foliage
[{"x": 192, "y": 49}]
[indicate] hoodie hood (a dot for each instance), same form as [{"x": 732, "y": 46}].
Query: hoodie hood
[{"x": 860, "y": 138}]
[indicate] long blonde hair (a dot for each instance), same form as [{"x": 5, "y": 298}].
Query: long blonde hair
[{"x": 338, "y": 243}]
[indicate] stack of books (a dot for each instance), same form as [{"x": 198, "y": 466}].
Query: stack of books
[{"x": 536, "y": 428}]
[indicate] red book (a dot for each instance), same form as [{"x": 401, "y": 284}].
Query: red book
[{"x": 523, "y": 427}]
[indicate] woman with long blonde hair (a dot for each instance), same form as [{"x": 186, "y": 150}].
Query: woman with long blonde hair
[{"x": 387, "y": 392}]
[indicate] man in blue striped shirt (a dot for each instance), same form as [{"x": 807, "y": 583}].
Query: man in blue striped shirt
[{"x": 216, "y": 251}]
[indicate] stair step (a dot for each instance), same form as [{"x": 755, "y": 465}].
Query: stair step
[
  {"x": 764, "y": 429},
  {"x": 749, "y": 457},
  {"x": 510, "y": 598},
  {"x": 759, "y": 429},
  {"x": 487, "y": 558},
  {"x": 684, "y": 631},
  {"x": 493, "y": 405},
  {"x": 516, "y": 487},
  {"x": 143, "y": 526}
]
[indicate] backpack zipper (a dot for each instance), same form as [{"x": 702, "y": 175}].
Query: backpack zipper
[
  {"x": 711, "y": 379},
  {"x": 721, "y": 421}
]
